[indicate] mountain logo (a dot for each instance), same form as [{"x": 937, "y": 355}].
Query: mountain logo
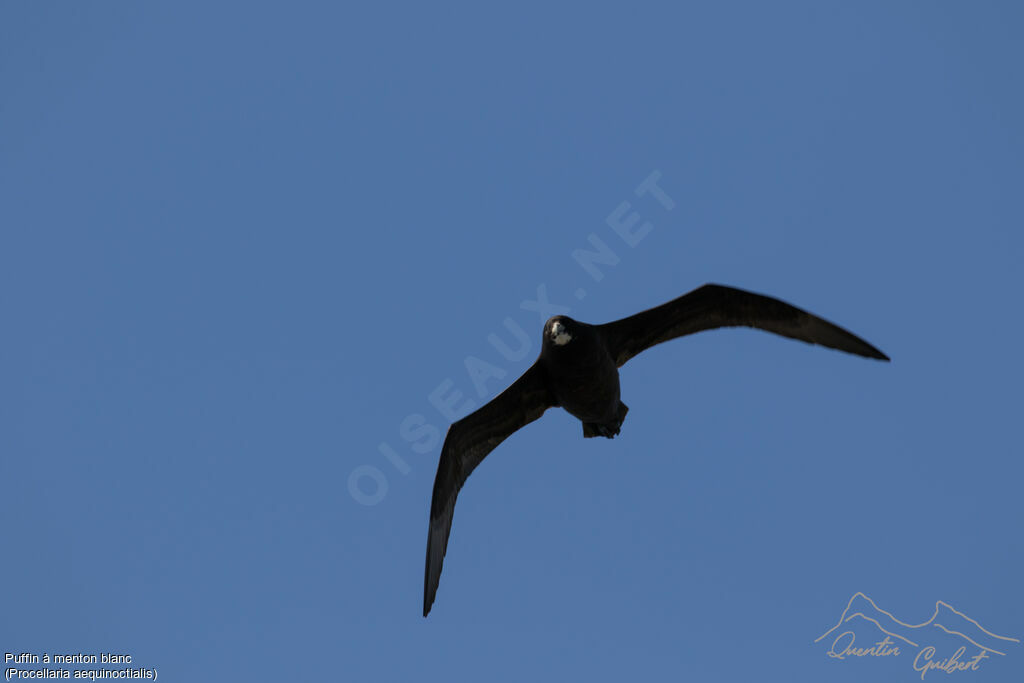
[{"x": 950, "y": 641}]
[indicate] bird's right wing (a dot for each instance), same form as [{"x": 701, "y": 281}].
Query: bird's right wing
[
  {"x": 468, "y": 442},
  {"x": 713, "y": 306}
]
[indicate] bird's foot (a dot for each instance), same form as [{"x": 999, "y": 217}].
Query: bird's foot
[
  {"x": 606, "y": 429},
  {"x": 592, "y": 429}
]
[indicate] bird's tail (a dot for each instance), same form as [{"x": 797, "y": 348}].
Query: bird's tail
[{"x": 606, "y": 429}]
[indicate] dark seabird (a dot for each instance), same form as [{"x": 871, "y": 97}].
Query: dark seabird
[{"x": 578, "y": 370}]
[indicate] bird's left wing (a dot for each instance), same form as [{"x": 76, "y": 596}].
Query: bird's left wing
[
  {"x": 713, "y": 306},
  {"x": 468, "y": 442}
]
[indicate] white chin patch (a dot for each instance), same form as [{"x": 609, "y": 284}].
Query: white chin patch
[{"x": 559, "y": 336}]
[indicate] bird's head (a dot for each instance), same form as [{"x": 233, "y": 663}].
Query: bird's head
[{"x": 559, "y": 330}]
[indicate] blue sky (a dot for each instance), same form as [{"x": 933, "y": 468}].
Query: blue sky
[{"x": 244, "y": 243}]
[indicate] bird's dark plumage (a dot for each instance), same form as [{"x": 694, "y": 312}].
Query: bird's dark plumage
[
  {"x": 468, "y": 441},
  {"x": 578, "y": 370},
  {"x": 714, "y": 306}
]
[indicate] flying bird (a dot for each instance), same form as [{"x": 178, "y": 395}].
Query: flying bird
[{"x": 578, "y": 370}]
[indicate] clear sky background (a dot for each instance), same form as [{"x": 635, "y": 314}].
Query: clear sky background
[{"x": 243, "y": 243}]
